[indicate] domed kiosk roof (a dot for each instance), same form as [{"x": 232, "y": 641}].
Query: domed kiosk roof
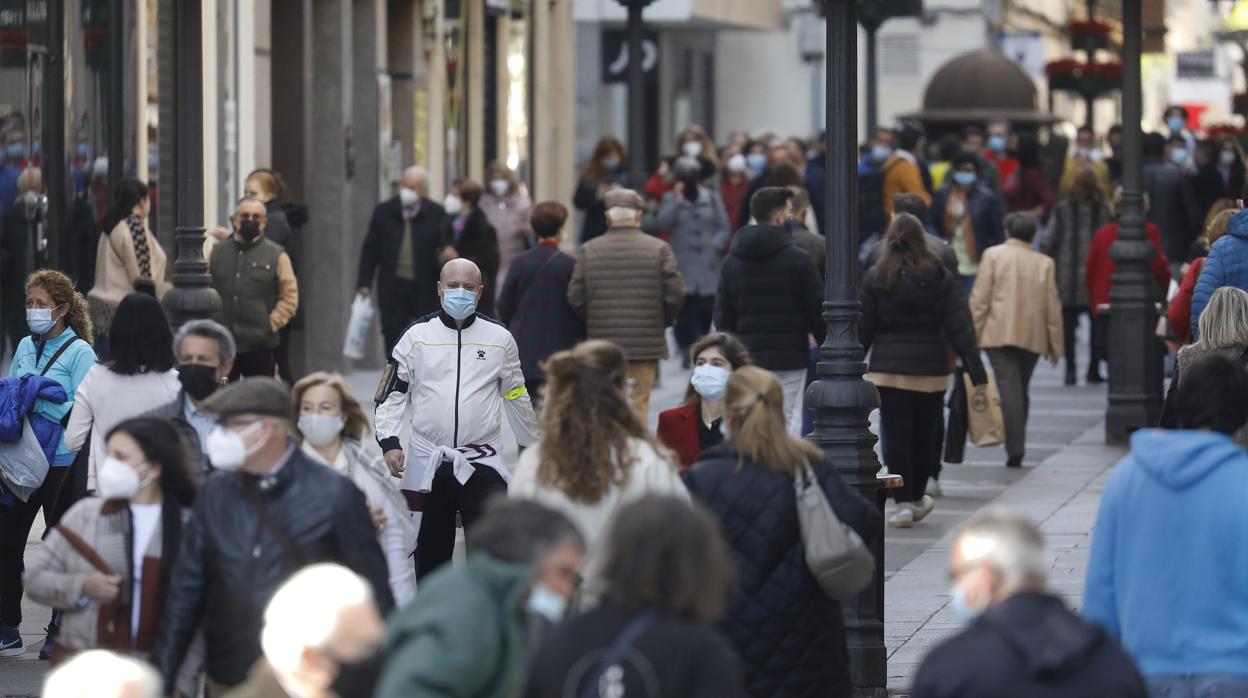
[{"x": 980, "y": 86}]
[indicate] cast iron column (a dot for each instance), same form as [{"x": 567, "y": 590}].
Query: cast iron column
[
  {"x": 873, "y": 78},
  {"x": 636, "y": 94},
  {"x": 55, "y": 179},
  {"x": 1135, "y": 372},
  {"x": 192, "y": 296},
  {"x": 841, "y": 399},
  {"x": 115, "y": 100}
]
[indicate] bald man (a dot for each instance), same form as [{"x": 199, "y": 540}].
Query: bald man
[
  {"x": 459, "y": 372},
  {"x": 402, "y": 251}
]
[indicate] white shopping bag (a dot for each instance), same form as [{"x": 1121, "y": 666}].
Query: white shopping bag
[{"x": 358, "y": 327}]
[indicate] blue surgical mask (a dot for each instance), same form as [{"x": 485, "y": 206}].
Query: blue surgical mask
[
  {"x": 39, "y": 320},
  {"x": 996, "y": 143},
  {"x": 82, "y": 151},
  {"x": 880, "y": 153},
  {"x": 961, "y": 608},
  {"x": 1176, "y": 123},
  {"x": 965, "y": 179},
  {"x": 459, "y": 303},
  {"x": 547, "y": 603},
  {"x": 710, "y": 381},
  {"x": 1179, "y": 156},
  {"x": 756, "y": 162},
  {"x": 16, "y": 150}
]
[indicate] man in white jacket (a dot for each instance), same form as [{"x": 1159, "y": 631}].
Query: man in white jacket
[{"x": 458, "y": 372}]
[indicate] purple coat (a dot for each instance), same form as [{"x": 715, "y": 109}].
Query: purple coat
[{"x": 533, "y": 303}]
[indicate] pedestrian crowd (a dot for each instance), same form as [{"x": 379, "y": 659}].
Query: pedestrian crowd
[{"x": 214, "y": 530}]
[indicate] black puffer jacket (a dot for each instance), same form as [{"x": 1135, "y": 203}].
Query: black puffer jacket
[
  {"x": 1032, "y": 646},
  {"x": 231, "y": 564},
  {"x": 911, "y": 327},
  {"x": 770, "y": 295},
  {"x": 789, "y": 635}
]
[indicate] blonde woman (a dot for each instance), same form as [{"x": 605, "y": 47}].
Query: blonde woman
[
  {"x": 595, "y": 454},
  {"x": 1224, "y": 332},
  {"x": 747, "y": 482},
  {"x": 331, "y": 424}
]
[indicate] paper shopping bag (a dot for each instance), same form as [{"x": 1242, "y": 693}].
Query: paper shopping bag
[{"x": 984, "y": 421}]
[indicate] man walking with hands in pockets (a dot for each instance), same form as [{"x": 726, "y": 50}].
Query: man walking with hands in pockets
[{"x": 456, "y": 373}]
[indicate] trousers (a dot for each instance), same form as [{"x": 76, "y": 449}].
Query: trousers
[
  {"x": 1013, "y": 368},
  {"x": 436, "y": 543},
  {"x": 255, "y": 363},
  {"x": 911, "y": 438},
  {"x": 15, "y": 524},
  {"x": 694, "y": 320},
  {"x": 794, "y": 384}
]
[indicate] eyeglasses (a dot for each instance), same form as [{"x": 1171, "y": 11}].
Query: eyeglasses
[{"x": 251, "y": 217}]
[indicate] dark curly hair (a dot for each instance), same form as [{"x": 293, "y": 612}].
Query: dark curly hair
[{"x": 587, "y": 422}]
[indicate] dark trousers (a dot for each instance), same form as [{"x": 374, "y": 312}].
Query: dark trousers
[
  {"x": 911, "y": 441},
  {"x": 398, "y": 311},
  {"x": 436, "y": 543},
  {"x": 694, "y": 320},
  {"x": 1013, "y": 368},
  {"x": 15, "y": 523},
  {"x": 254, "y": 363},
  {"x": 1070, "y": 325}
]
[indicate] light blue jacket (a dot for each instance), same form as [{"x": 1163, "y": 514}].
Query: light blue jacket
[
  {"x": 1169, "y": 560},
  {"x": 69, "y": 370}
]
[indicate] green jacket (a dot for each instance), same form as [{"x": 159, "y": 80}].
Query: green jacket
[
  {"x": 462, "y": 636},
  {"x": 245, "y": 274}
]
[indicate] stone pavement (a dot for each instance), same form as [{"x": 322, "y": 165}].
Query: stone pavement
[{"x": 1059, "y": 486}]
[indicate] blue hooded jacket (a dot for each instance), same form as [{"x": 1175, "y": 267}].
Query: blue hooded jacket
[
  {"x": 1226, "y": 265},
  {"x": 1169, "y": 560}
]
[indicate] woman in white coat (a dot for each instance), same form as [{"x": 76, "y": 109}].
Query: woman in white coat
[
  {"x": 594, "y": 455},
  {"x": 331, "y": 424}
]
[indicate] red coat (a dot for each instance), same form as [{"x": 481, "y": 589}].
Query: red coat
[
  {"x": 734, "y": 198},
  {"x": 1100, "y": 268},
  {"x": 678, "y": 430},
  {"x": 1180, "y": 312}
]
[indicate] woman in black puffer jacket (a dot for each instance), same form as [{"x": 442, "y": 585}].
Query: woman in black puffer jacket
[
  {"x": 912, "y": 314},
  {"x": 789, "y": 635}
]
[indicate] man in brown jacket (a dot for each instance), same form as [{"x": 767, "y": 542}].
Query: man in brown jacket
[
  {"x": 1018, "y": 317},
  {"x": 627, "y": 287}
]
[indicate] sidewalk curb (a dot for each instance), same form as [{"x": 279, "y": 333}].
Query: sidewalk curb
[{"x": 1061, "y": 495}]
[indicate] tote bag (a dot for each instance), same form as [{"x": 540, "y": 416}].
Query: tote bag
[
  {"x": 835, "y": 553},
  {"x": 984, "y": 421}
]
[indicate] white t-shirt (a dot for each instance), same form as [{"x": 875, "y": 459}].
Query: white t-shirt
[{"x": 146, "y": 518}]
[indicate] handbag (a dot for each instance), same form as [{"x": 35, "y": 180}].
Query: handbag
[
  {"x": 984, "y": 419},
  {"x": 835, "y": 553},
  {"x": 113, "y": 624},
  {"x": 955, "y": 428}
]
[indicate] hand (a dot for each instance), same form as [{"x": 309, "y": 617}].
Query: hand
[
  {"x": 364, "y": 291},
  {"x": 220, "y": 233},
  {"x": 379, "y": 516},
  {"x": 101, "y": 586},
  {"x": 394, "y": 459},
  {"x": 447, "y": 253}
]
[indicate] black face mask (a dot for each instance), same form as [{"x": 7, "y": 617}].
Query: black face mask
[
  {"x": 358, "y": 679},
  {"x": 249, "y": 230},
  {"x": 197, "y": 380}
]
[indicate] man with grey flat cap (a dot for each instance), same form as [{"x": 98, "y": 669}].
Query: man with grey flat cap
[{"x": 265, "y": 512}]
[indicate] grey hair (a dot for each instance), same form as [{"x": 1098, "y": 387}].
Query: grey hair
[
  {"x": 208, "y": 329},
  {"x": 522, "y": 532},
  {"x": 1224, "y": 322},
  {"x": 102, "y": 673},
  {"x": 298, "y": 616},
  {"x": 1020, "y": 226},
  {"x": 1009, "y": 543}
]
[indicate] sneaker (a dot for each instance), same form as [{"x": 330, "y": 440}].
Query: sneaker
[
  {"x": 934, "y": 488},
  {"x": 922, "y": 508},
  {"x": 902, "y": 518},
  {"x": 10, "y": 642}
]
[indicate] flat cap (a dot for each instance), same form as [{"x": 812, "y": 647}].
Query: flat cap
[
  {"x": 624, "y": 198},
  {"x": 263, "y": 396}
]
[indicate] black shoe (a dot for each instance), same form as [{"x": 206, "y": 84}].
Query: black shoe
[
  {"x": 1014, "y": 461},
  {"x": 1094, "y": 378},
  {"x": 1070, "y": 375}
]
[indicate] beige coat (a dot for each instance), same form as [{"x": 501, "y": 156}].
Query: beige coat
[
  {"x": 117, "y": 270},
  {"x": 1015, "y": 301}
]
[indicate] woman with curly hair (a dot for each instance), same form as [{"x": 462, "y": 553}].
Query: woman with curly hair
[
  {"x": 594, "y": 454},
  {"x": 59, "y": 348}
]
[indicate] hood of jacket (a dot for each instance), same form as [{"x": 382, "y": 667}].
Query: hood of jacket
[
  {"x": 1052, "y": 641},
  {"x": 1179, "y": 458},
  {"x": 1238, "y": 225},
  {"x": 758, "y": 242}
]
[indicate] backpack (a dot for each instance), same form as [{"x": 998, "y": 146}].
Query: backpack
[{"x": 871, "y": 201}]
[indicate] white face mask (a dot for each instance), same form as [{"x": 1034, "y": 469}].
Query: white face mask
[
  {"x": 546, "y": 603},
  {"x": 691, "y": 148},
  {"x": 736, "y": 163},
  {"x": 116, "y": 480},
  {"x": 500, "y": 187},
  {"x": 453, "y": 205},
  {"x": 408, "y": 197},
  {"x": 321, "y": 429},
  {"x": 227, "y": 450}
]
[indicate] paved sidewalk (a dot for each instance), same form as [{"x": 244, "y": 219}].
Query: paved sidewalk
[{"x": 1061, "y": 493}]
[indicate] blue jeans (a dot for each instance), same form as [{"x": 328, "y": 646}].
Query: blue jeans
[{"x": 1197, "y": 685}]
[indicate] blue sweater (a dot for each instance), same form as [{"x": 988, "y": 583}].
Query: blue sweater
[
  {"x": 69, "y": 370},
  {"x": 1226, "y": 265},
  {"x": 1169, "y": 562}
]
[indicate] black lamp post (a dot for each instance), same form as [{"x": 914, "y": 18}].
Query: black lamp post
[
  {"x": 841, "y": 399},
  {"x": 1135, "y": 370},
  {"x": 192, "y": 296},
  {"x": 636, "y": 93}
]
